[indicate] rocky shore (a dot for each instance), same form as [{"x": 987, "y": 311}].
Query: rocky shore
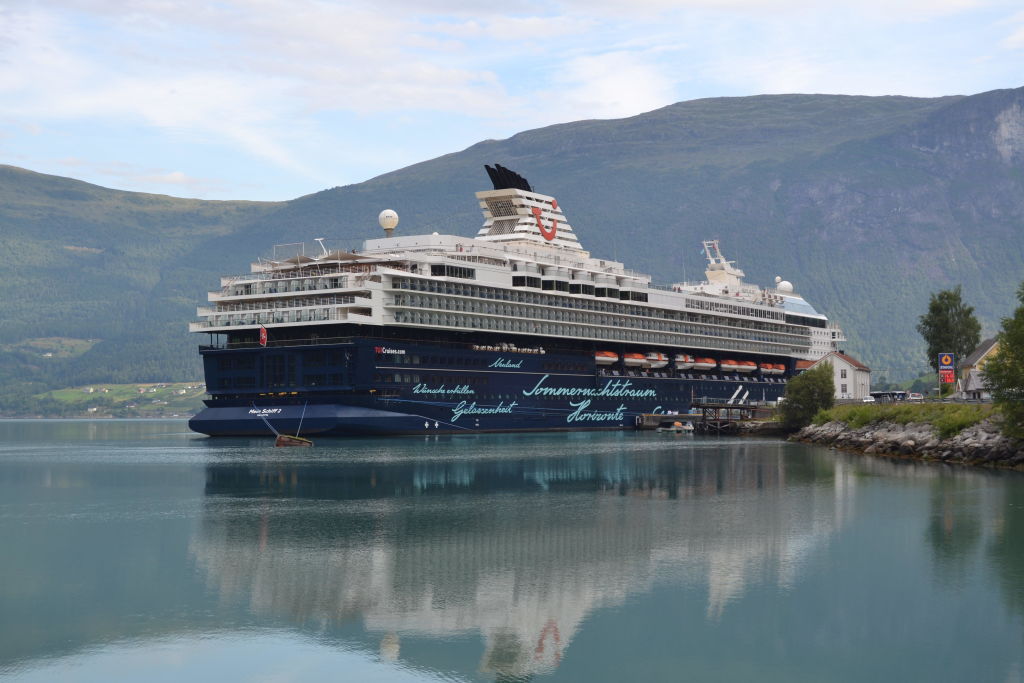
[
  {"x": 981, "y": 444},
  {"x": 761, "y": 428}
]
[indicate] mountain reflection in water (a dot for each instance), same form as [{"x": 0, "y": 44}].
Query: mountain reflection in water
[{"x": 519, "y": 551}]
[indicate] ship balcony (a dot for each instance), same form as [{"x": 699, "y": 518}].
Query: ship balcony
[
  {"x": 279, "y": 304},
  {"x": 275, "y": 293},
  {"x": 224, "y": 322}
]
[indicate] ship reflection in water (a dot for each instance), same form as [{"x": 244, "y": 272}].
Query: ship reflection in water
[
  {"x": 516, "y": 551},
  {"x": 134, "y": 551}
]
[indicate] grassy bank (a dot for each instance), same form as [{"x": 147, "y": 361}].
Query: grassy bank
[
  {"x": 163, "y": 399},
  {"x": 949, "y": 419}
]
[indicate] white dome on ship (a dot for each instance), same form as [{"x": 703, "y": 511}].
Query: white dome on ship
[
  {"x": 784, "y": 286},
  {"x": 388, "y": 219}
]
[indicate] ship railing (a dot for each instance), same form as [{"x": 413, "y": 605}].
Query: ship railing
[
  {"x": 311, "y": 315},
  {"x": 498, "y": 347},
  {"x": 219, "y": 295},
  {"x": 310, "y": 270},
  {"x": 275, "y": 343},
  {"x": 282, "y": 303},
  {"x": 701, "y": 401}
]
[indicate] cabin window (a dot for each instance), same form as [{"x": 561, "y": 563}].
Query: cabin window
[{"x": 441, "y": 270}]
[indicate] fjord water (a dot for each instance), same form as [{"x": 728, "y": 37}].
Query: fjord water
[{"x": 138, "y": 551}]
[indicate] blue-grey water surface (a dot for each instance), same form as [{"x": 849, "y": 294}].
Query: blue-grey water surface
[{"x": 138, "y": 551}]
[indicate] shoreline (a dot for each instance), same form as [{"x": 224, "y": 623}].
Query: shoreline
[{"x": 981, "y": 445}]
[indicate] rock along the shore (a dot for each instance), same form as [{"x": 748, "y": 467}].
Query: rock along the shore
[{"x": 982, "y": 444}]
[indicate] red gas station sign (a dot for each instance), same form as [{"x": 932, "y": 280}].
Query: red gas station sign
[{"x": 947, "y": 371}]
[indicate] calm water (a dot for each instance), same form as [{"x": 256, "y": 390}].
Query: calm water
[{"x": 138, "y": 551}]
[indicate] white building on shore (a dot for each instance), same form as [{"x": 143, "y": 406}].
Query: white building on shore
[{"x": 852, "y": 378}]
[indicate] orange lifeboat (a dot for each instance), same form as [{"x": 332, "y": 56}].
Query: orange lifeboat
[
  {"x": 683, "y": 361},
  {"x": 705, "y": 364},
  {"x": 605, "y": 357},
  {"x": 746, "y": 366},
  {"x": 780, "y": 368},
  {"x": 729, "y": 365},
  {"x": 767, "y": 369},
  {"x": 634, "y": 360},
  {"x": 657, "y": 360}
]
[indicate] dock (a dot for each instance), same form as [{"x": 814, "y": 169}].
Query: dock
[{"x": 711, "y": 417}]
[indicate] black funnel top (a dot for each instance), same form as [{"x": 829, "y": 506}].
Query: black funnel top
[{"x": 504, "y": 179}]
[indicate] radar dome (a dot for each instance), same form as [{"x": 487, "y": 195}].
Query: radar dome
[
  {"x": 784, "y": 286},
  {"x": 388, "y": 219}
]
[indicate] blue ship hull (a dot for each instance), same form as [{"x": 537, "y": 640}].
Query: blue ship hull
[{"x": 381, "y": 387}]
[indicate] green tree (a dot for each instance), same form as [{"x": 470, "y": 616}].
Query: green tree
[
  {"x": 806, "y": 394},
  {"x": 949, "y": 326},
  {"x": 1005, "y": 372}
]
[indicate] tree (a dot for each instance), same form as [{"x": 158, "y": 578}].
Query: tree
[
  {"x": 806, "y": 394},
  {"x": 949, "y": 327},
  {"x": 1005, "y": 372}
]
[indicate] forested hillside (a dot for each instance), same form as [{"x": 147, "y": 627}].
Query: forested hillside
[
  {"x": 102, "y": 267},
  {"x": 867, "y": 204}
]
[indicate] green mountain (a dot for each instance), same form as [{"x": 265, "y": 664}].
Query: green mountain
[{"x": 867, "y": 204}]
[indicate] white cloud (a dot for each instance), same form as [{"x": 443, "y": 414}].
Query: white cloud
[
  {"x": 147, "y": 178},
  {"x": 609, "y": 85},
  {"x": 263, "y": 77},
  {"x": 1015, "y": 40}
]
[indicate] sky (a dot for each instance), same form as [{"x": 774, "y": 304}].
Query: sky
[{"x": 274, "y": 99}]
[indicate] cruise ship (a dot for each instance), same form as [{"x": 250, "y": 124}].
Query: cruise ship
[{"x": 518, "y": 328}]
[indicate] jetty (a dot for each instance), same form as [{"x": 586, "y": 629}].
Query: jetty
[{"x": 710, "y": 416}]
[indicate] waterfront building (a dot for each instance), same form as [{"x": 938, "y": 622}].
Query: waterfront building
[
  {"x": 970, "y": 383},
  {"x": 851, "y": 377}
]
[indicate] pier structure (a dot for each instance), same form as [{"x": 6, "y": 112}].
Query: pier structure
[{"x": 710, "y": 416}]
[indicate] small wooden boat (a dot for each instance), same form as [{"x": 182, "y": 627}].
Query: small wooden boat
[
  {"x": 287, "y": 440},
  {"x": 284, "y": 440},
  {"x": 677, "y": 428}
]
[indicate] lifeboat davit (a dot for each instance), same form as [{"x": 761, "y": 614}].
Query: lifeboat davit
[
  {"x": 657, "y": 360},
  {"x": 634, "y": 360},
  {"x": 683, "y": 361},
  {"x": 704, "y": 364},
  {"x": 729, "y": 365},
  {"x": 605, "y": 357},
  {"x": 746, "y": 366}
]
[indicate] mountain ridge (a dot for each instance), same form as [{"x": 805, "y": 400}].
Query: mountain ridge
[{"x": 866, "y": 204}]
